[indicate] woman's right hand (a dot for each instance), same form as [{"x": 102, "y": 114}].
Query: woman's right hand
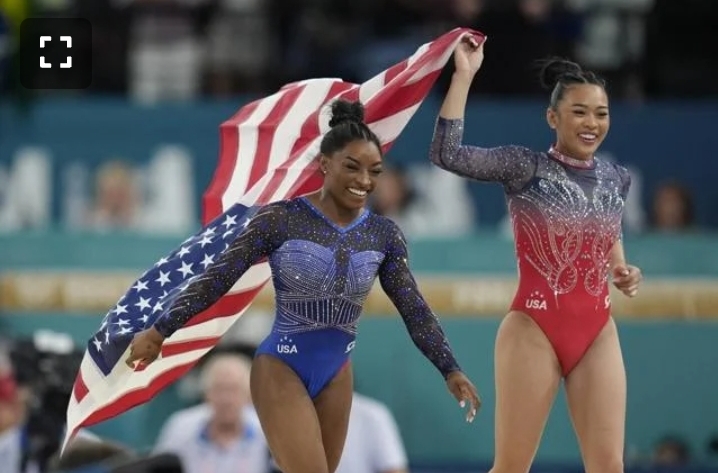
[{"x": 469, "y": 54}]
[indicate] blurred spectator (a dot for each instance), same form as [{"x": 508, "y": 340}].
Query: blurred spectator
[
  {"x": 326, "y": 35},
  {"x": 394, "y": 195},
  {"x": 282, "y": 20},
  {"x": 612, "y": 41},
  {"x": 117, "y": 198},
  {"x": 167, "y": 46},
  {"x": 239, "y": 47},
  {"x": 394, "y": 30},
  {"x": 425, "y": 201},
  {"x": 373, "y": 443},
  {"x": 154, "y": 198},
  {"x": 223, "y": 434},
  {"x": 672, "y": 208},
  {"x": 671, "y": 452}
]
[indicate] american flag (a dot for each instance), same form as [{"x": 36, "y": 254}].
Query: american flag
[{"x": 267, "y": 153}]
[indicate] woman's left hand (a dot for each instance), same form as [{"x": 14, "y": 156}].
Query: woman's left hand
[{"x": 464, "y": 391}]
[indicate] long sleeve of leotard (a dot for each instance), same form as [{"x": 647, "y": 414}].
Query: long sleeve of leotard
[
  {"x": 398, "y": 283},
  {"x": 263, "y": 234},
  {"x": 513, "y": 166}
]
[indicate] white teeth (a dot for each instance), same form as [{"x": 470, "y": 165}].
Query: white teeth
[
  {"x": 588, "y": 136},
  {"x": 357, "y": 192}
]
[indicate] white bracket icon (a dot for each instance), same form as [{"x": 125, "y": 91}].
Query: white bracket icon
[
  {"x": 43, "y": 40},
  {"x": 68, "y": 63},
  {"x": 64, "y": 65}
]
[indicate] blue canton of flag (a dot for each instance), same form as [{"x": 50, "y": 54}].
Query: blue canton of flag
[{"x": 155, "y": 291}]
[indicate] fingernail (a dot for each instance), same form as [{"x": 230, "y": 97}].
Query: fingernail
[{"x": 462, "y": 403}]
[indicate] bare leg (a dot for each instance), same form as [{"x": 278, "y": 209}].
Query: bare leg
[
  {"x": 527, "y": 379},
  {"x": 288, "y": 417},
  {"x": 333, "y": 406},
  {"x": 596, "y": 394}
]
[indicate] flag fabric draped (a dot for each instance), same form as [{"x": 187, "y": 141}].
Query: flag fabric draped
[{"x": 268, "y": 153}]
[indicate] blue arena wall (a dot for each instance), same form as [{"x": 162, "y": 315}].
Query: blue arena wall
[{"x": 662, "y": 140}]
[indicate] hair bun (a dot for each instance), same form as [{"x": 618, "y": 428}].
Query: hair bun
[
  {"x": 344, "y": 111},
  {"x": 554, "y": 69}
]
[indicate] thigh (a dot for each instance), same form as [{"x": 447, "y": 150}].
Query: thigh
[
  {"x": 527, "y": 378},
  {"x": 288, "y": 417},
  {"x": 333, "y": 406},
  {"x": 596, "y": 394}
]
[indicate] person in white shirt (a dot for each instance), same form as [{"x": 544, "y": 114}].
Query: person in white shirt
[
  {"x": 223, "y": 435},
  {"x": 373, "y": 443}
]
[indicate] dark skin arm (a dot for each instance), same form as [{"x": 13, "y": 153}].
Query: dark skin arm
[{"x": 424, "y": 328}]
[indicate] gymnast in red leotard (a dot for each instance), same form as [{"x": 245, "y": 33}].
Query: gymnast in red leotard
[{"x": 566, "y": 207}]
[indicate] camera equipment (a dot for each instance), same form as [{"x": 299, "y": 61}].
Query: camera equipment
[{"x": 46, "y": 365}]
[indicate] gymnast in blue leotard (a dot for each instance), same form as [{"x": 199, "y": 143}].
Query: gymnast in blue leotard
[{"x": 325, "y": 251}]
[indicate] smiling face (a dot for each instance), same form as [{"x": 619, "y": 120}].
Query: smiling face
[
  {"x": 351, "y": 173},
  {"x": 581, "y": 120}
]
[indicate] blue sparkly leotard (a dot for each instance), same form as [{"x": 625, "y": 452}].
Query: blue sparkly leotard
[
  {"x": 322, "y": 274},
  {"x": 566, "y": 217}
]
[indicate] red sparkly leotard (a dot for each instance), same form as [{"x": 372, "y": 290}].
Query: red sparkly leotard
[{"x": 566, "y": 217}]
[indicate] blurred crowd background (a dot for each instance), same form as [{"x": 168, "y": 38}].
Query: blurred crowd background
[
  {"x": 152, "y": 50},
  {"x": 96, "y": 184}
]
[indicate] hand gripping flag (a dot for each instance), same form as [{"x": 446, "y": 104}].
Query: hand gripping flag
[{"x": 268, "y": 153}]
